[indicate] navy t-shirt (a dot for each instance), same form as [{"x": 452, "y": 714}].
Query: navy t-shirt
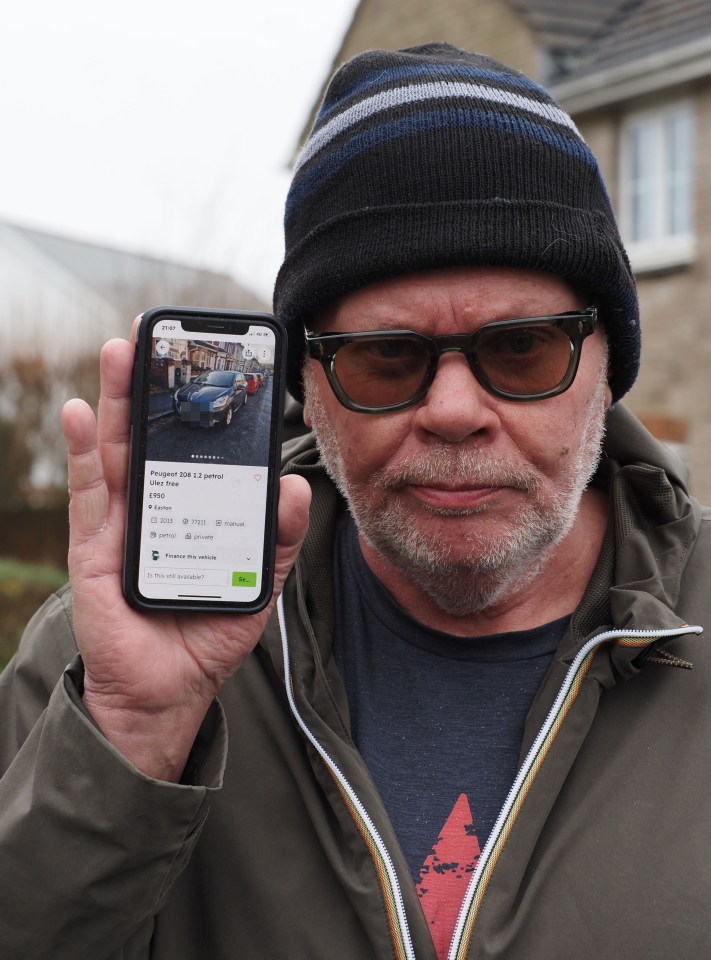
[{"x": 438, "y": 720}]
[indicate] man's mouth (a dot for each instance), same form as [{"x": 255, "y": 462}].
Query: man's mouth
[
  {"x": 457, "y": 498},
  {"x": 460, "y": 484}
]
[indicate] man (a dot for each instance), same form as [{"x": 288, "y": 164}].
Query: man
[{"x": 471, "y": 730}]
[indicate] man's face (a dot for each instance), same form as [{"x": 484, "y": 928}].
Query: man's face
[{"x": 464, "y": 494}]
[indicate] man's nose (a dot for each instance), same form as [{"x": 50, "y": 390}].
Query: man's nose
[{"x": 456, "y": 405}]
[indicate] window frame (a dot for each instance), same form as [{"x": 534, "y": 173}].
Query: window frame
[{"x": 662, "y": 248}]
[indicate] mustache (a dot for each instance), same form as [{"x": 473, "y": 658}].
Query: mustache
[{"x": 456, "y": 468}]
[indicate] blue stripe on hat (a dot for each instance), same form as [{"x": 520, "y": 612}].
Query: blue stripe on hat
[
  {"x": 427, "y": 121},
  {"x": 433, "y": 71}
]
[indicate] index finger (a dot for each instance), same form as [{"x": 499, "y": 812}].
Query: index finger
[{"x": 114, "y": 417}]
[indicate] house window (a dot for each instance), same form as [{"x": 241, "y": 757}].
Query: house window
[{"x": 657, "y": 186}]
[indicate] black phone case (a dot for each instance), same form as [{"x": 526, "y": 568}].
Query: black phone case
[{"x": 206, "y": 320}]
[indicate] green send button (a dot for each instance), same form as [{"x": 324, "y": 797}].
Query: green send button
[{"x": 244, "y": 578}]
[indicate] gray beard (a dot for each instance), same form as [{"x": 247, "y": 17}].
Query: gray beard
[{"x": 494, "y": 564}]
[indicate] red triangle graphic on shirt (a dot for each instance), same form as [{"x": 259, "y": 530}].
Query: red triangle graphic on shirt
[{"x": 446, "y": 872}]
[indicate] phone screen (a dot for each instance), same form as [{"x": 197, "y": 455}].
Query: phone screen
[{"x": 205, "y": 490}]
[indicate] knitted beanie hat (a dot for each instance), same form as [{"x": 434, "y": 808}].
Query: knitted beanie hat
[{"x": 434, "y": 157}]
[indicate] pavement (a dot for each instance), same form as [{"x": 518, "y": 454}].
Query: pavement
[{"x": 160, "y": 404}]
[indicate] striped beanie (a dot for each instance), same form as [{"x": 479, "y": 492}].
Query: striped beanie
[{"x": 434, "y": 157}]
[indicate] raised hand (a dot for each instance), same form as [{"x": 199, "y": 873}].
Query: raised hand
[{"x": 149, "y": 678}]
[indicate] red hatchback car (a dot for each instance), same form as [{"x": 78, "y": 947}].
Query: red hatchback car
[{"x": 254, "y": 382}]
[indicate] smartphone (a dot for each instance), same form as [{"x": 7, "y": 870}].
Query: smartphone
[{"x": 207, "y": 407}]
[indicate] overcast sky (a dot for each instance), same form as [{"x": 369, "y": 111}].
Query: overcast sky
[{"x": 161, "y": 126}]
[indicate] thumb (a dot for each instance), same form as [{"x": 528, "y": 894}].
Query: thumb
[{"x": 293, "y": 523}]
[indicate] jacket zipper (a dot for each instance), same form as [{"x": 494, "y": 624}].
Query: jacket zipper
[
  {"x": 479, "y": 881},
  {"x": 399, "y": 927},
  {"x": 529, "y": 769}
]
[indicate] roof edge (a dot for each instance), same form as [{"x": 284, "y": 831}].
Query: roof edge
[{"x": 648, "y": 74}]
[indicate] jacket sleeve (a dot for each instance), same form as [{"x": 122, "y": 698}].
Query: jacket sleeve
[{"x": 89, "y": 846}]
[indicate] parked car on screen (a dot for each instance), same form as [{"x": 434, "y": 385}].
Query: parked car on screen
[
  {"x": 254, "y": 382},
  {"x": 211, "y": 398}
]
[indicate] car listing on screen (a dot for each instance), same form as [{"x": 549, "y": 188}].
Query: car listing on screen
[{"x": 205, "y": 479}]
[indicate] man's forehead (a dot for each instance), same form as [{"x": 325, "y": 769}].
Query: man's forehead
[{"x": 478, "y": 294}]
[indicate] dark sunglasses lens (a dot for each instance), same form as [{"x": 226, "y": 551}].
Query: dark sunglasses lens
[
  {"x": 381, "y": 371},
  {"x": 525, "y": 360}
]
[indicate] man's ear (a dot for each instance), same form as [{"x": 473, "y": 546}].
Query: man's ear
[
  {"x": 608, "y": 364},
  {"x": 306, "y": 414}
]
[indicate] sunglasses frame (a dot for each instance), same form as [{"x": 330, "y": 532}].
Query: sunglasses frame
[{"x": 577, "y": 325}]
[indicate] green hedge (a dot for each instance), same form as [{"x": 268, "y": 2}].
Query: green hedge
[{"x": 23, "y": 588}]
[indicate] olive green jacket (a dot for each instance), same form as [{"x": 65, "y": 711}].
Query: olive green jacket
[{"x": 279, "y": 845}]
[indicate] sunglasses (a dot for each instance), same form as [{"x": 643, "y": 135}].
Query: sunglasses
[{"x": 380, "y": 371}]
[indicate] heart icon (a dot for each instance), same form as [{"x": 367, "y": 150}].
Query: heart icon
[{"x": 257, "y": 476}]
